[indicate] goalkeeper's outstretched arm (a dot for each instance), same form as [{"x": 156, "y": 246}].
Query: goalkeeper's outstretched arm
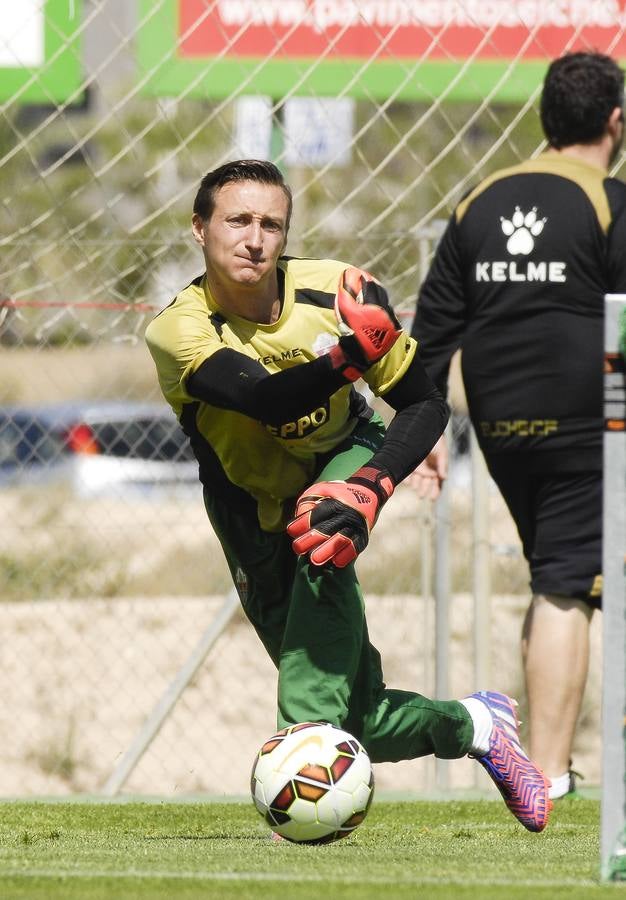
[
  {"x": 368, "y": 330},
  {"x": 333, "y": 519},
  {"x": 421, "y": 417}
]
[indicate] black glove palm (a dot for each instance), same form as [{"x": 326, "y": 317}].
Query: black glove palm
[{"x": 334, "y": 518}]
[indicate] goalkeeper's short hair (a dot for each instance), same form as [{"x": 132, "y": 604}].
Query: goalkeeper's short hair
[{"x": 238, "y": 170}]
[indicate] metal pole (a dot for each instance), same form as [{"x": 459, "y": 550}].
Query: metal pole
[
  {"x": 481, "y": 581},
  {"x": 612, "y": 837},
  {"x": 161, "y": 711},
  {"x": 441, "y": 585},
  {"x": 426, "y": 583},
  {"x": 442, "y": 617},
  {"x": 427, "y": 681}
]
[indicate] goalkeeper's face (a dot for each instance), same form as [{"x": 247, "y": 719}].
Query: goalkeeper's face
[{"x": 245, "y": 234}]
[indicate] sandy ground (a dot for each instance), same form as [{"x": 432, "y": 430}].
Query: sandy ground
[{"x": 79, "y": 678}]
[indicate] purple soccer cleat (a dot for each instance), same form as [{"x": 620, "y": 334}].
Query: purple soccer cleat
[{"x": 522, "y": 784}]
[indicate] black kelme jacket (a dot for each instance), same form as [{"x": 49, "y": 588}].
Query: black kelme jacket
[{"x": 518, "y": 283}]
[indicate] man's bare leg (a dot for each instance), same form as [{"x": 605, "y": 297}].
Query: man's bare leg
[{"x": 555, "y": 655}]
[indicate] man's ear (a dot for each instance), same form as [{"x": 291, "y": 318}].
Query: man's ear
[
  {"x": 197, "y": 228},
  {"x": 616, "y": 118}
]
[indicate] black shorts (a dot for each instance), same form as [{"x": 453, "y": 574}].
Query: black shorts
[{"x": 559, "y": 519}]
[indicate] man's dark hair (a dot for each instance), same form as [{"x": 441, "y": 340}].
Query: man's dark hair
[
  {"x": 238, "y": 170},
  {"x": 580, "y": 92}
]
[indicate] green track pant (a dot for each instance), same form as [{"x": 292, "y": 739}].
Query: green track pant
[{"x": 312, "y": 623}]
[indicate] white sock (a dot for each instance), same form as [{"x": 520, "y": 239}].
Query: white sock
[
  {"x": 559, "y": 786},
  {"x": 483, "y": 725}
]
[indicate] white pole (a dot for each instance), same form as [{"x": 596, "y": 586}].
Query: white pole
[
  {"x": 442, "y": 612},
  {"x": 612, "y": 845},
  {"x": 481, "y": 581}
]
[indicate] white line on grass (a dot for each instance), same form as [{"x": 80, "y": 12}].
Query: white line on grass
[
  {"x": 299, "y": 876},
  {"x": 477, "y": 826}
]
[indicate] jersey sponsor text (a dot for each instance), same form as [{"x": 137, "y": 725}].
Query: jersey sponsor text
[
  {"x": 280, "y": 357},
  {"x": 501, "y": 270},
  {"x": 303, "y": 426}
]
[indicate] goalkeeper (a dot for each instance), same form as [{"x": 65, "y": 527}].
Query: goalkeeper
[{"x": 258, "y": 358}]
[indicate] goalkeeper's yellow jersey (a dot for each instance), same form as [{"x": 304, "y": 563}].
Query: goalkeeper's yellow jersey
[{"x": 239, "y": 455}]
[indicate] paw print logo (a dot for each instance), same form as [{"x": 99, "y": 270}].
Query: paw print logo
[{"x": 521, "y": 230}]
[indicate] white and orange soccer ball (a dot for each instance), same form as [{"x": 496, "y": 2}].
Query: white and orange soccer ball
[{"x": 313, "y": 783}]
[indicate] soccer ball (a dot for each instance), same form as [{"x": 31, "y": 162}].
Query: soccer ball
[{"x": 312, "y": 783}]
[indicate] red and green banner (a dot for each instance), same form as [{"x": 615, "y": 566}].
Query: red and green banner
[
  {"x": 39, "y": 51},
  {"x": 409, "y": 49}
]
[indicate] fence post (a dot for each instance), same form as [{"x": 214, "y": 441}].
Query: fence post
[
  {"x": 613, "y": 818},
  {"x": 481, "y": 581},
  {"x": 442, "y": 612}
]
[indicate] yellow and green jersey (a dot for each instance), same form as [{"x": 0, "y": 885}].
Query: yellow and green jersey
[{"x": 240, "y": 456}]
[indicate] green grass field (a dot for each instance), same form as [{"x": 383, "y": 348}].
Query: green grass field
[{"x": 158, "y": 850}]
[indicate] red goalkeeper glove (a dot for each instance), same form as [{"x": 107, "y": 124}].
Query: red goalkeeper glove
[
  {"x": 368, "y": 325},
  {"x": 333, "y": 519}
]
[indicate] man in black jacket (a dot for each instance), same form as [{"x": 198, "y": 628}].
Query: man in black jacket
[{"x": 518, "y": 283}]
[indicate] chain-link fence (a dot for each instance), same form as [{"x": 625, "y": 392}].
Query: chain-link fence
[
  {"x": 114, "y": 585},
  {"x": 111, "y": 582}
]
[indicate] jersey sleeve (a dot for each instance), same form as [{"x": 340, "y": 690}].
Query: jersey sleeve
[
  {"x": 388, "y": 371},
  {"x": 231, "y": 380},
  {"x": 440, "y": 315},
  {"x": 420, "y": 419},
  {"x": 179, "y": 343}
]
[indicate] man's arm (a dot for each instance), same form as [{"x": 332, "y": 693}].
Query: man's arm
[
  {"x": 232, "y": 380},
  {"x": 368, "y": 330},
  {"x": 333, "y": 519},
  {"x": 440, "y": 315},
  {"x": 428, "y": 477},
  {"x": 421, "y": 417},
  {"x": 438, "y": 328}
]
